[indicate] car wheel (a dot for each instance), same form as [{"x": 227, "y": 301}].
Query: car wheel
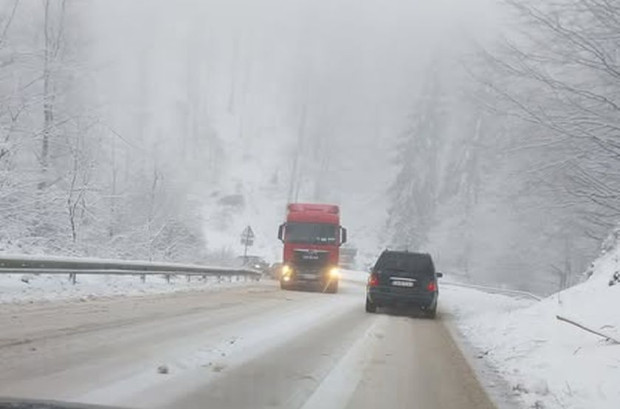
[
  {"x": 370, "y": 306},
  {"x": 284, "y": 286},
  {"x": 431, "y": 313}
]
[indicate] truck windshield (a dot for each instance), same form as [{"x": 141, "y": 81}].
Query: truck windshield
[{"x": 311, "y": 233}]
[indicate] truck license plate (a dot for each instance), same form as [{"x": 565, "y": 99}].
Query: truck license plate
[
  {"x": 308, "y": 276},
  {"x": 402, "y": 283}
]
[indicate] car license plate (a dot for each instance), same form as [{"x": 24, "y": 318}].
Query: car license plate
[{"x": 398, "y": 283}]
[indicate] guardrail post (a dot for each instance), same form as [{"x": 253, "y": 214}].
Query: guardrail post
[
  {"x": 143, "y": 278},
  {"x": 168, "y": 278},
  {"x": 73, "y": 278},
  {"x": 188, "y": 278}
]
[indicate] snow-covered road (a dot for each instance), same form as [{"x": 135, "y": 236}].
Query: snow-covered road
[{"x": 248, "y": 347}]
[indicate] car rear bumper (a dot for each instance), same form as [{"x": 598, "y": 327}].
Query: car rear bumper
[{"x": 388, "y": 299}]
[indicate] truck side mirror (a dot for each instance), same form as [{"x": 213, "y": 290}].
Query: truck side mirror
[
  {"x": 281, "y": 232},
  {"x": 343, "y": 236}
]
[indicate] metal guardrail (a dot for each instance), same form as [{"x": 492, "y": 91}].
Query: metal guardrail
[
  {"x": 76, "y": 266},
  {"x": 495, "y": 290}
]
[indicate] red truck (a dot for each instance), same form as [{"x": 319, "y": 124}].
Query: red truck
[{"x": 312, "y": 236}]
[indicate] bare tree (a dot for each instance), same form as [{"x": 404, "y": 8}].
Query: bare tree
[{"x": 53, "y": 34}]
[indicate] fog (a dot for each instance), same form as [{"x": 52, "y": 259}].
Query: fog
[{"x": 159, "y": 129}]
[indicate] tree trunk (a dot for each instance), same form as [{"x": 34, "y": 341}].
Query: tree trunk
[
  {"x": 112, "y": 224},
  {"x": 48, "y": 111}
]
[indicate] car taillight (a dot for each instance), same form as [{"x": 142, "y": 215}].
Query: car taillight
[
  {"x": 373, "y": 280},
  {"x": 432, "y": 286}
]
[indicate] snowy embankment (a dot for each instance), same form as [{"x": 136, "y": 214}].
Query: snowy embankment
[
  {"x": 354, "y": 277},
  {"x": 49, "y": 287},
  {"x": 549, "y": 363}
]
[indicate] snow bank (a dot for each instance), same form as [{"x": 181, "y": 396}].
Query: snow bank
[
  {"x": 352, "y": 276},
  {"x": 549, "y": 363},
  {"x": 49, "y": 287}
]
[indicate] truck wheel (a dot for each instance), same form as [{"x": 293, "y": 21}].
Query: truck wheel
[
  {"x": 329, "y": 288},
  {"x": 333, "y": 287},
  {"x": 370, "y": 307},
  {"x": 284, "y": 286}
]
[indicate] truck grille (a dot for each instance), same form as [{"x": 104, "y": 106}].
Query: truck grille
[{"x": 311, "y": 260}]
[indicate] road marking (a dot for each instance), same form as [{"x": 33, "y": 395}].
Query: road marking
[{"x": 337, "y": 388}]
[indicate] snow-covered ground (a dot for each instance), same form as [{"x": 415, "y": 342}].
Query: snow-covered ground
[
  {"x": 546, "y": 362},
  {"x": 251, "y": 347},
  {"x": 49, "y": 287}
]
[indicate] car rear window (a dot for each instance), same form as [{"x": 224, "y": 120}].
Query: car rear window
[{"x": 413, "y": 264}]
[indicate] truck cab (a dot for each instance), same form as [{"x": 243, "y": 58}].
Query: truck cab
[{"x": 312, "y": 236}]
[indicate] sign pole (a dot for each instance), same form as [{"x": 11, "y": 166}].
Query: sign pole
[
  {"x": 245, "y": 248},
  {"x": 247, "y": 239}
]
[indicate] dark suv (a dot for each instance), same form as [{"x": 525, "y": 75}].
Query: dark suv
[{"x": 403, "y": 279}]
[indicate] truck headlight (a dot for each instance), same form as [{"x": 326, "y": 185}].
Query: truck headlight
[
  {"x": 286, "y": 270},
  {"x": 334, "y": 272}
]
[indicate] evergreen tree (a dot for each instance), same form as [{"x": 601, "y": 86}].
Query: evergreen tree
[{"x": 414, "y": 191}]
